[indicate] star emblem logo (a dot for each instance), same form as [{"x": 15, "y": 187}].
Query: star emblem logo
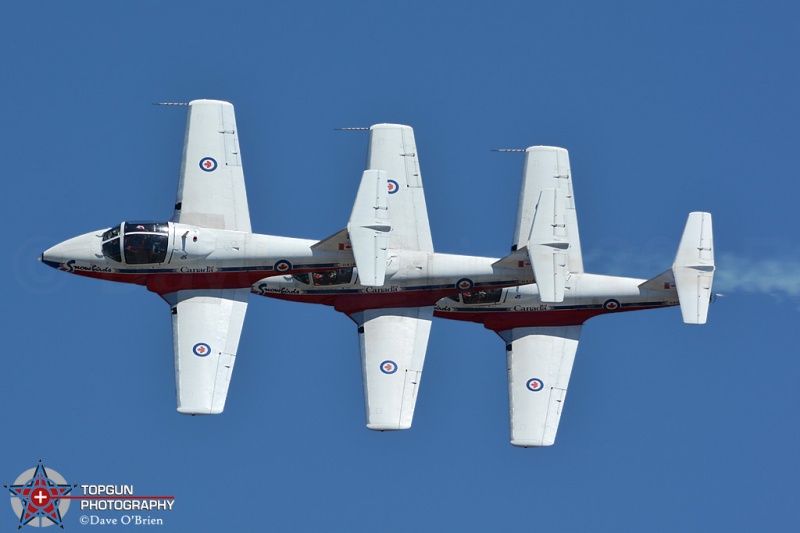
[{"x": 38, "y": 495}]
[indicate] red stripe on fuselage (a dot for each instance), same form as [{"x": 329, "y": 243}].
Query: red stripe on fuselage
[
  {"x": 501, "y": 321},
  {"x": 166, "y": 282},
  {"x": 354, "y": 303}
]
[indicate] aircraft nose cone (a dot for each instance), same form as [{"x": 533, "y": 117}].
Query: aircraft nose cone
[
  {"x": 53, "y": 257},
  {"x": 84, "y": 249}
]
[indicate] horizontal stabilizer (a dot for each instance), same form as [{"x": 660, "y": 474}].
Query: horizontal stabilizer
[
  {"x": 369, "y": 228},
  {"x": 337, "y": 242},
  {"x": 516, "y": 259},
  {"x": 694, "y": 268},
  {"x": 663, "y": 282},
  {"x": 548, "y": 245}
]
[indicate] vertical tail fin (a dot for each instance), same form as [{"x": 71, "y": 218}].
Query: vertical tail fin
[
  {"x": 548, "y": 246},
  {"x": 369, "y": 228},
  {"x": 694, "y": 268}
]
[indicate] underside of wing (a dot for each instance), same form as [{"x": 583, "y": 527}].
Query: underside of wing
[
  {"x": 211, "y": 191},
  {"x": 206, "y": 326},
  {"x": 392, "y": 148},
  {"x": 547, "y": 179},
  {"x": 393, "y": 344},
  {"x": 539, "y": 366}
]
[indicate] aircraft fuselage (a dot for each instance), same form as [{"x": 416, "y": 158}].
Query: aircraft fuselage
[
  {"x": 586, "y": 296},
  {"x": 413, "y": 279},
  {"x": 183, "y": 257}
]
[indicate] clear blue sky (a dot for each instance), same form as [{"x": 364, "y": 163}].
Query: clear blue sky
[{"x": 665, "y": 108}]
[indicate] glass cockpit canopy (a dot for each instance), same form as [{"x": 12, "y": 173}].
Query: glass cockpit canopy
[
  {"x": 139, "y": 243},
  {"x": 339, "y": 276},
  {"x": 481, "y": 296}
]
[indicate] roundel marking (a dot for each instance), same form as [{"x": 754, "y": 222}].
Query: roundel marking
[
  {"x": 535, "y": 384},
  {"x": 201, "y": 349},
  {"x": 611, "y": 305},
  {"x": 388, "y": 367},
  {"x": 464, "y": 284},
  {"x": 283, "y": 266},
  {"x": 393, "y": 186},
  {"x": 208, "y": 164}
]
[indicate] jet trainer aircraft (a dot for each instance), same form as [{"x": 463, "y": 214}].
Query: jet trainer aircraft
[
  {"x": 203, "y": 262},
  {"x": 540, "y": 322},
  {"x": 392, "y": 302},
  {"x": 541, "y": 334}
]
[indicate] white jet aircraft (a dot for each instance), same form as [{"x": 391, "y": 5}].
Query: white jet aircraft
[
  {"x": 540, "y": 323},
  {"x": 203, "y": 262},
  {"x": 394, "y": 310}
]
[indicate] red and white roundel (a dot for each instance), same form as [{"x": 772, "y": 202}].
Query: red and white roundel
[
  {"x": 209, "y": 164},
  {"x": 535, "y": 384},
  {"x": 201, "y": 349},
  {"x": 393, "y": 186},
  {"x": 611, "y": 305},
  {"x": 283, "y": 266},
  {"x": 464, "y": 284},
  {"x": 388, "y": 367}
]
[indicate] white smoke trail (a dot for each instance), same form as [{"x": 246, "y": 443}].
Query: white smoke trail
[
  {"x": 774, "y": 276},
  {"x": 779, "y": 277}
]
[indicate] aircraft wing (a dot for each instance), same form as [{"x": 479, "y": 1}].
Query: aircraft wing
[
  {"x": 206, "y": 326},
  {"x": 539, "y": 365},
  {"x": 211, "y": 192},
  {"x": 393, "y": 344},
  {"x": 392, "y": 148},
  {"x": 547, "y": 189}
]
